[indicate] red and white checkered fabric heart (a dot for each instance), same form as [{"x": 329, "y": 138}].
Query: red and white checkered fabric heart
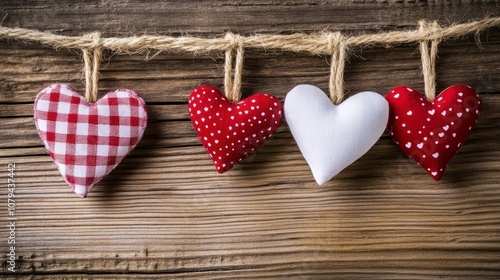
[{"x": 87, "y": 141}]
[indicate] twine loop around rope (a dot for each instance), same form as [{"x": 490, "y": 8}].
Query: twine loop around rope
[
  {"x": 92, "y": 60},
  {"x": 337, "y": 43},
  {"x": 433, "y": 33},
  {"x": 232, "y": 81}
]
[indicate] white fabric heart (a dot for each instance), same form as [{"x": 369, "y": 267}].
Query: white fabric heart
[{"x": 332, "y": 137}]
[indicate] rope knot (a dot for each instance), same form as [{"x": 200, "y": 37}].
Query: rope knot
[
  {"x": 432, "y": 30},
  {"x": 336, "y": 41},
  {"x": 235, "y": 41},
  {"x": 96, "y": 40}
]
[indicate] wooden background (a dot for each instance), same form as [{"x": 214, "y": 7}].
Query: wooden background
[{"x": 165, "y": 212}]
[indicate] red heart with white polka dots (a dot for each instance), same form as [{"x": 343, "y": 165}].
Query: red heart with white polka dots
[
  {"x": 232, "y": 131},
  {"x": 432, "y": 132}
]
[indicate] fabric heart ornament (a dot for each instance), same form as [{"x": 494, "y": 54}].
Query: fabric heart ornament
[
  {"x": 87, "y": 141},
  {"x": 232, "y": 131},
  {"x": 432, "y": 132},
  {"x": 332, "y": 137}
]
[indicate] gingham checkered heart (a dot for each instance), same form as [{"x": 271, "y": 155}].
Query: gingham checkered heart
[{"x": 87, "y": 141}]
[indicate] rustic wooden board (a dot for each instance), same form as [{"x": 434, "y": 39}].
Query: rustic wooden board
[{"x": 165, "y": 212}]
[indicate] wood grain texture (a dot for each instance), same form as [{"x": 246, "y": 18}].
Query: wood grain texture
[{"x": 165, "y": 212}]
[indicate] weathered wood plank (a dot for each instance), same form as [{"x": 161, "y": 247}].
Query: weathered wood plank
[
  {"x": 165, "y": 213},
  {"x": 132, "y": 16}
]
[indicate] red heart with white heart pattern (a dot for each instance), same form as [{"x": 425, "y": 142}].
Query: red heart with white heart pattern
[
  {"x": 87, "y": 141},
  {"x": 432, "y": 132},
  {"x": 232, "y": 131}
]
